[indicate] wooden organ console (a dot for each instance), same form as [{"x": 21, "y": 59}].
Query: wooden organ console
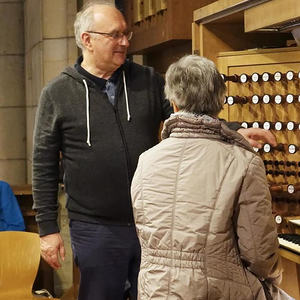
[{"x": 264, "y": 92}]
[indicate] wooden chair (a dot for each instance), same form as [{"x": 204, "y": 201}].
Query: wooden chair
[{"x": 19, "y": 262}]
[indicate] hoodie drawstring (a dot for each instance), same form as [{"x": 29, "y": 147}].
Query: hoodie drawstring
[
  {"x": 126, "y": 97},
  {"x": 88, "y": 134},
  {"x": 87, "y": 100}
]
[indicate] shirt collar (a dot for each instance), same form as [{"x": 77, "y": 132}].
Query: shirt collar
[{"x": 97, "y": 80}]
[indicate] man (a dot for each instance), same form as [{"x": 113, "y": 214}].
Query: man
[{"x": 101, "y": 115}]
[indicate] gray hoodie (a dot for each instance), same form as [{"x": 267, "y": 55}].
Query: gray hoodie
[{"x": 100, "y": 144}]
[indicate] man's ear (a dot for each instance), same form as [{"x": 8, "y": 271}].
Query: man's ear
[{"x": 86, "y": 40}]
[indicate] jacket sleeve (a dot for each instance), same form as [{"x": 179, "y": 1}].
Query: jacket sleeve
[
  {"x": 136, "y": 193},
  {"x": 233, "y": 125},
  {"x": 255, "y": 227},
  {"x": 45, "y": 173}
]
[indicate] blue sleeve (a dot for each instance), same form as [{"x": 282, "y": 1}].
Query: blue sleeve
[{"x": 11, "y": 217}]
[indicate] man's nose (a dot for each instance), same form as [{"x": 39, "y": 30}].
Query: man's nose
[{"x": 124, "y": 41}]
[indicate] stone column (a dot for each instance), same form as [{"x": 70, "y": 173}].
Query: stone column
[
  {"x": 12, "y": 96},
  {"x": 50, "y": 47}
]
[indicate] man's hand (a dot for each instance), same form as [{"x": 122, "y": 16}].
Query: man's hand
[
  {"x": 257, "y": 136},
  {"x": 52, "y": 247}
]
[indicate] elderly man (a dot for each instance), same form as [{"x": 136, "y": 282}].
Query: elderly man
[{"x": 101, "y": 115}]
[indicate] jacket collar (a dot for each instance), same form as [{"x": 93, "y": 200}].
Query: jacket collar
[{"x": 187, "y": 125}]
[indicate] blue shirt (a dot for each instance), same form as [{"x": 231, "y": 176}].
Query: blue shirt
[{"x": 107, "y": 86}]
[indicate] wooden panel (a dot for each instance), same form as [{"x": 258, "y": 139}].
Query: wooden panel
[
  {"x": 149, "y": 8},
  {"x": 137, "y": 11},
  {"x": 196, "y": 38},
  {"x": 214, "y": 38},
  {"x": 162, "y": 57},
  {"x": 213, "y": 8},
  {"x": 160, "y": 5},
  {"x": 172, "y": 22},
  {"x": 291, "y": 273},
  {"x": 217, "y": 37},
  {"x": 271, "y": 13},
  {"x": 272, "y": 60},
  {"x": 221, "y": 8},
  {"x": 289, "y": 255},
  {"x": 149, "y": 34},
  {"x": 267, "y": 61}
]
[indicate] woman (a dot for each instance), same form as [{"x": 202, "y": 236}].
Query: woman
[{"x": 201, "y": 201}]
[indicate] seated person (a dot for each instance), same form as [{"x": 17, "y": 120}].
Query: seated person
[
  {"x": 11, "y": 218},
  {"x": 201, "y": 201}
]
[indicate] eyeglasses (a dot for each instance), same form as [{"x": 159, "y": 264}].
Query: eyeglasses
[{"x": 116, "y": 35}]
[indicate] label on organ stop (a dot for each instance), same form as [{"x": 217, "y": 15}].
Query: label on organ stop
[
  {"x": 278, "y": 126},
  {"x": 230, "y": 100},
  {"x": 278, "y": 219},
  {"x": 267, "y": 125},
  {"x": 290, "y": 189},
  {"x": 290, "y": 125},
  {"x": 266, "y": 99},
  {"x": 267, "y": 148},
  {"x": 255, "y": 99},
  {"x": 265, "y": 77},
  {"x": 244, "y": 124},
  {"x": 243, "y": 78},
  {"x": 255, "y": 77},
  {"x": 289, "y": 98},
  {"x": 277, "y": 76},
  {"x": 292, "y": 149},
  {"x": 290, "y": 75},
  {"x": 278, "y": 99}
]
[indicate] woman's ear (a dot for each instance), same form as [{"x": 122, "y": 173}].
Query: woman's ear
[{"x": 175, "y": 108}]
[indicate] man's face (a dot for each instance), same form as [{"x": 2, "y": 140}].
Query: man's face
[{"x": 108, "y": 52}]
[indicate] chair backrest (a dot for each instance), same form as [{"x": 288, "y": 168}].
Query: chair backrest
[{"x": 19, "y": 262}]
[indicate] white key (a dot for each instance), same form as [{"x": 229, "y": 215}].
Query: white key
[{"x": 289, "y": 245}]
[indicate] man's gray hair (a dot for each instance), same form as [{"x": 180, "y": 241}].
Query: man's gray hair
[
  {"x": 84, "y": 20},
  {"x": 194, "y": 84}
]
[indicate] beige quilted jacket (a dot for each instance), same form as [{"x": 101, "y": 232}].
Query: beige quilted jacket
[{"x": 203, "y": 215}]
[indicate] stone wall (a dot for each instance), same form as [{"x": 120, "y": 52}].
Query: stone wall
[
  {"x": 12, "y": 93},
  {"x": 49, "y": 48}
]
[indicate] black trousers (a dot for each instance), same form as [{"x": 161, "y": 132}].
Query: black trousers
[{"x": 108, "y": 258}]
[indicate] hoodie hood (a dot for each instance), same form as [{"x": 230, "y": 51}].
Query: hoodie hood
[{"x": 87, "y": 82}]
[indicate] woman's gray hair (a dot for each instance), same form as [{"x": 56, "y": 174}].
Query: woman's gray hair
[
  {"x": 84, "y": 20},
  {"x": 194, "y": 84}
]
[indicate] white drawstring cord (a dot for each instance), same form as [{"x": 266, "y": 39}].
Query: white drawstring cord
[
  {"x": 88, "y": 137},
  {"x": 126, "y": 97}
]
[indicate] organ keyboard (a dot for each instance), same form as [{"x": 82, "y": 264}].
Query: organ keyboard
[{"x": 290, "y": 242}]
